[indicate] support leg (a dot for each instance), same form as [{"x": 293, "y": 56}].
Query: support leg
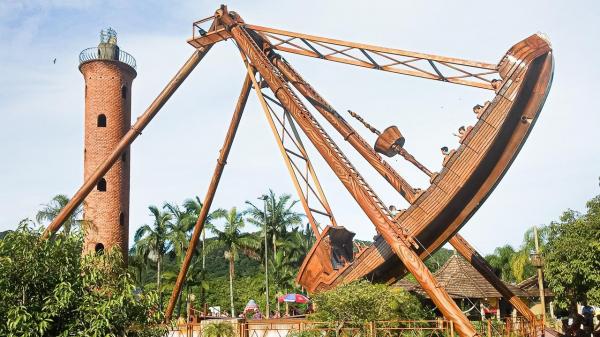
[
  {"x": 478, "y": 262},
  {"x": 208, "y": 199},
  {"x": 128, "y": 138}
]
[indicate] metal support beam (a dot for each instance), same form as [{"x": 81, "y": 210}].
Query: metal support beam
[
  {"x": 348, "y": 175},
  {"x": 210, "y": 194},
  {"x": 347, "y": 131},
  {"x": 128, "y": 138},
  {"x": 478, "y": 262}
]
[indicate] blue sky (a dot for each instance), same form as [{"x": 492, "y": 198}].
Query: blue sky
[{"x": 41, "y": 103}]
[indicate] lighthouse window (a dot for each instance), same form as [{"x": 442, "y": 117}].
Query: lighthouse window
[
  {"x": 122, "y": 219},
  {"x": 124, "y": 92},
  {"x": 102, "y": 185},
  {"x": 99, "y": 248},
  {"x": 101, "y": 120}
]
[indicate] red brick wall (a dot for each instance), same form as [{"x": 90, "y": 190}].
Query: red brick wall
[{"x": 103, "y": 95}]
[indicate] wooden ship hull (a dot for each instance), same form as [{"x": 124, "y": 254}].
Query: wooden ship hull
[{"x": 469, "y": 174}]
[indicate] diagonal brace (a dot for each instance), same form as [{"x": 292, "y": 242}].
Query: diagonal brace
[
  {"x": 210, "y": 194},
  {"x": 481, "y": 265}
]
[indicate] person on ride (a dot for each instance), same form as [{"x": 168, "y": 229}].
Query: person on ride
[{"x": 496, "y": 85}]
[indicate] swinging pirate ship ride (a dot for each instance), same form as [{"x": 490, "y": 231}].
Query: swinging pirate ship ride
[{"x": 521, "y": 81}]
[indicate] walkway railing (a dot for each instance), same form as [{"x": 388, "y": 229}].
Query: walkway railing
[
  {"x": 510, "y": 327},
  {"x": 91, "y": 54}
]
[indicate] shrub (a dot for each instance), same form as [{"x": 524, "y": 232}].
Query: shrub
[
  {"x": 48, "y": 289},
  {"x": 219, "y": 329},
  {"x": 305, "y": 333},
  {"x": 362, "y": 302}
]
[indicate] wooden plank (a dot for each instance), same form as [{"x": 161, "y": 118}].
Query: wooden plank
[{"x": 481, "y": 139}]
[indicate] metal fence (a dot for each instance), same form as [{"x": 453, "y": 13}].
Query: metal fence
[{"x": 91, "y": 54}]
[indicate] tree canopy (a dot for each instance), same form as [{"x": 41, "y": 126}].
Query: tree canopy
[
  {"x": 573, "y": 256},
  {"x": 362, "y": 301}
]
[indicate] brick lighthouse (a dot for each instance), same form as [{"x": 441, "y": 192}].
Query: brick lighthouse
[{"x": 108, "y": 72}]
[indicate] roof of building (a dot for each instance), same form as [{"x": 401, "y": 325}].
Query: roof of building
[
  {"x": 461, "y": 280},
  {"x": 530, "y": 285}
]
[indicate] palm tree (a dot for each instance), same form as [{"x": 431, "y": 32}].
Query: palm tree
[
  {"x": 193, "y": 208},
  {"x": 296, "y": 244},
  {"x": 515, "y": 265},
  {"x": 51, "y": 210},
  {"x": 520, "y": 264},
  {"x": 279, "y": 218},
  {"x": 500, "y": 261},
  {"x": 233, "y": 241},
  {"x": 283, "y": 273},
  {"x": 154, "y": 240},
  {"x": 138, "y": 262},
  {"x": 178, "y": 229},
  {"x": 197, "y": 275}
]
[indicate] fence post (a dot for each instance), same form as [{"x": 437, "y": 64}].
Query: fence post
[
  {"x": 489, "y": 328},
  {"x": 372, "y": 329},
  {"x": 243, "y": 329},
  {"x": 451, "y": 328}
]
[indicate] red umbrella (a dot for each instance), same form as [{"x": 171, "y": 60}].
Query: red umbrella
[{"x": 293, "y": 298}]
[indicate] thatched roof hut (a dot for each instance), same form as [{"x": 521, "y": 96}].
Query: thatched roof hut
[{"x": 461, "y": 280}]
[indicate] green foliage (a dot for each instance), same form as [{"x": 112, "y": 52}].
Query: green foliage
[
  {"x": 219, "y": 329},
  {"x": 361, "y": 302},
  {"x": 3, "y": 234},
  {"x": 209, "y": 272},
  {"x": 305, "y": 333},
  {"x": 573, "y": 256},
  {"x": 500, "y": 262},
  {"x": 571, "y": 249},
  {"x": 233, "y": 241},
  {"x": 48, "y": 289},
  {"x": 438, "y": 259},
  {"x": 51, "y": 210},
  {"x": 515, "y": 265},
  {"x": 278, "y": 219}
]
